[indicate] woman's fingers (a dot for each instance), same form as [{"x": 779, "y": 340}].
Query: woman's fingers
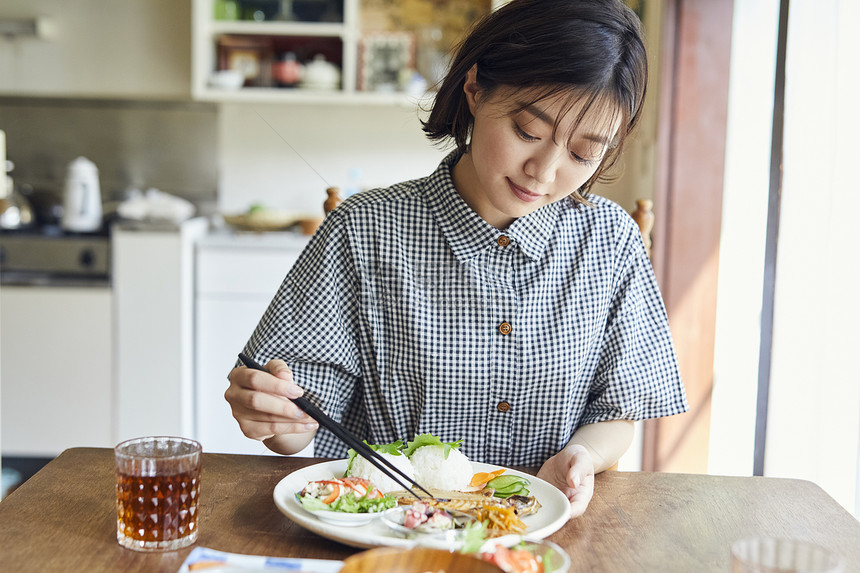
[
  {"x": 581, "y": 496},
  {"x": 260, "y": 404},
  {"x": 278, "y": 380}
]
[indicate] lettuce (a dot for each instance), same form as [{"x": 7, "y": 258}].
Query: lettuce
[
  {"x": 474, "y": 536},
  {"x": 430, "y": 440},
  {"x": 348, "y": 504},
  {"x": 394, "y": 448}
]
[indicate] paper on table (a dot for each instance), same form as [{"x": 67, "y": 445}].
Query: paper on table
[{"x": 212, "y": 561}]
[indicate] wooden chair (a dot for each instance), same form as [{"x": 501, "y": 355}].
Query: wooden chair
[{"x": 644, "y": 217}]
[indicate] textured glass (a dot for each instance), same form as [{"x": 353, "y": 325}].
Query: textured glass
[{"x": 157, "y": 490}]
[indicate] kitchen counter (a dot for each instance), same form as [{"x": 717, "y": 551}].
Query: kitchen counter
[{"x": 229, "y": 238}]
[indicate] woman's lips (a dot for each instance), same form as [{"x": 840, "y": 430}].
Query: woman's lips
[{"x": 522, "y": 193}]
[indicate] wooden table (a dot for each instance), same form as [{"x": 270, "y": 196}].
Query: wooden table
[{"x": 63, "y": 519}]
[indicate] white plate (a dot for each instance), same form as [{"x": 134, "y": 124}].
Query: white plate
[
  {"x": 551, "y": 516},
  {"x": 342, "y": 519}
]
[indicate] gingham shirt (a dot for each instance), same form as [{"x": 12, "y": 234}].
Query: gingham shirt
[{"x": 407, "y": 313}]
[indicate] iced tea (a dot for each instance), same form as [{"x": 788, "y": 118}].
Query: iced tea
[{"x": 157, "y": 487}]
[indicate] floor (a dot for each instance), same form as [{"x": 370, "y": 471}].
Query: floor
[{"x": 17, "y": 470}]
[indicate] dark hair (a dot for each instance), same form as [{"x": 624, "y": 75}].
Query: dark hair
[{"x": 591, "y": 50}]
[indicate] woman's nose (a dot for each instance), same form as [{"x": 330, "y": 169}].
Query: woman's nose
[{"x": 542, "y": 167}]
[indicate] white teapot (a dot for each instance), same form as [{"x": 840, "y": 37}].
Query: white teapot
[
  {"x": 320, "y": 74},
  {"x": 82, "y": 199}
]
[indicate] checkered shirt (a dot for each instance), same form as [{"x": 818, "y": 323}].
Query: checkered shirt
[{"x": 407, "y": 313}]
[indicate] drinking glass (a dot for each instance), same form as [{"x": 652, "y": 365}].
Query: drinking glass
[
  {"x": 766, "y": 555},
  {"x": 157, "y": 490}
]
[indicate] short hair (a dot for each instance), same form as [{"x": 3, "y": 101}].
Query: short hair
[{"x": 592, "y": 50}]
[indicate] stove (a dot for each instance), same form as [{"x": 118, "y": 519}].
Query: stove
[{"x": 50, "y": 256}]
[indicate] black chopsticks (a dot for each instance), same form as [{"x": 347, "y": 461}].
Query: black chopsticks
[{"x": 345, "y": 435}]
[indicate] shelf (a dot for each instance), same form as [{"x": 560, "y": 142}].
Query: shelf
[
  {"x": 306, "y": 96},
  {"x": 345, "y": 44},
  {"x": 306, "y": 29}
]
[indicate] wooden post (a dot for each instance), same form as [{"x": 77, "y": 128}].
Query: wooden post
[{"x": 644, "y": 217}]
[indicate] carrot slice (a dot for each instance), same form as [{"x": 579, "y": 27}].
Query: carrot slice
[
  {"x": 481, "y": 478},
  {"x": 335, "y": 492}
]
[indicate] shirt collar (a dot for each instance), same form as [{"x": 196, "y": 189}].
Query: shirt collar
[{"x": 468, "y": 234}]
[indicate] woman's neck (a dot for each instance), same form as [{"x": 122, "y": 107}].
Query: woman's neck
[{"x": 467, "y": 185}]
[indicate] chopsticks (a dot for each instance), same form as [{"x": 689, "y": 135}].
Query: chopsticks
[{"x": 346, "y": 436}]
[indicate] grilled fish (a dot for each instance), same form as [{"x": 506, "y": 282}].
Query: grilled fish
[{"x": 469, "y": 502}]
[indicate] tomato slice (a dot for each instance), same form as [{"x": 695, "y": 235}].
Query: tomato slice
[
  {"x": 514, "y": 561},
  {"x": 335, "y": 491}
]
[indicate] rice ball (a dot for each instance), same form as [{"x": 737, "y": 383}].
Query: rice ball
[
  {"x": 433, "y": 470},
  {"x": 364, "y": 469}
]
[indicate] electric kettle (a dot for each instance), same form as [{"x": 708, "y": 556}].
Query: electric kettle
[{"x": 82, "y": 199}]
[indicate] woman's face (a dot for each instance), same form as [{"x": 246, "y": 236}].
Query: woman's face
[{"x": 514, "y": 166}]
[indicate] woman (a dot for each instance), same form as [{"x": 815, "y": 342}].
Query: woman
[{"x": 493, "y": 300}]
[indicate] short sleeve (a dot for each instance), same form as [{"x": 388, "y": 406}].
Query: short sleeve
[
  {"x": 637, "y": 376},
  {"x": 312, "y": 320}
]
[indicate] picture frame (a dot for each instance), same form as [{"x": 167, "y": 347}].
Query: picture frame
[
  {"x": 382, "y": 60},
  {"x": 252, "y": 56}
]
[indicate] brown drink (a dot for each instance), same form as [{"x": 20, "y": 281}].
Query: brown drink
[{"x": 157, "y": 487}]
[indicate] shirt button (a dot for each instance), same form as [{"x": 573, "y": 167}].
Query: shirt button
[
  {"x": 503, "y": 241},
  {"x": 503, "y": 406},
  {"x": 505, "y": 328}
]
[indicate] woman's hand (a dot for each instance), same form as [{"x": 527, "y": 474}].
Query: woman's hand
[
  {"x": 260, "y": 404},
  {"x": 572, "y": 471}
]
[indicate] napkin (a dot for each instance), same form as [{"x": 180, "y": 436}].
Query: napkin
[
  {"x": 213, "y": 561},
  {"x": 155, "y": 205}
]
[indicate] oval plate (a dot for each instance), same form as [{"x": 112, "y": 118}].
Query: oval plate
[{"x": 552, "y": 515}]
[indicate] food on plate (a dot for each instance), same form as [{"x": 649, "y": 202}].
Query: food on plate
[
  {"x": 426, "y": 459},
  {"x": 348, "y": 495},
  {"x": 360, "y": 467},
  {"x": 506, "y": 486},
  {"x": 515, "y": 560},
  {"x": 422, "y": 516},
  {"x": 439, "y": 465},
  {"x": 481, "y": 479},
  {"x": 500, "y": 518},
  {"x": 494, "y": 497},
  {"x": 502, "y": 514}
]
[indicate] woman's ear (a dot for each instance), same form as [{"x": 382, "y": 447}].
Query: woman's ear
[{"x": 471, "y": 87}]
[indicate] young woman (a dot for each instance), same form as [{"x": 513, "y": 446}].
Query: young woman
[{"x": 494, "y": 300}]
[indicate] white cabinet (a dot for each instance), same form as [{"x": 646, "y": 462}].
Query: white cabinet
[
  {"x": 153, "y": 288},
  {"x": 56, "y": 369},
  {"x": 236, "y": 278}
]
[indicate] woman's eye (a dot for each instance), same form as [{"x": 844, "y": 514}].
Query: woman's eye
[
  {"x": 523, "y": 134},
  {"x": 586, "y": 161}
]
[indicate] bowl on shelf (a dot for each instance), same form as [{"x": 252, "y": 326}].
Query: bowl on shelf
[
  {"x": 227, "y": 79},
  {"x": 262, "y": 220}
]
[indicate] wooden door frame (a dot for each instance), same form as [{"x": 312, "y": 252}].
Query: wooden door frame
[{"x": 693, "y": 113}]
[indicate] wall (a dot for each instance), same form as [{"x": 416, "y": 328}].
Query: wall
[
  {"x": 169, "y": 145},
  {"x": 286, "y": 155},
  {"x": 121, "y": 48}
]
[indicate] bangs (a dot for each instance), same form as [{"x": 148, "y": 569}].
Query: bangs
[{"x": 596, "y": 112}]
